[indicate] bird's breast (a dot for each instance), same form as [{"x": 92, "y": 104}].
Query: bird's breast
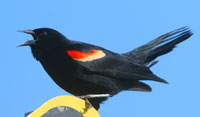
[{"x": 65, "y": 73}]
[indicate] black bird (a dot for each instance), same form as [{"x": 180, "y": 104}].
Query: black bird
[{"x": 83, "y": 69}]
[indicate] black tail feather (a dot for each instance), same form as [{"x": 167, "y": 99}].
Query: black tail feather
[
  {"x": 163, "y": 49},
  {"x": 159, "y": 46},
  {"x": 140, "y": 86}
]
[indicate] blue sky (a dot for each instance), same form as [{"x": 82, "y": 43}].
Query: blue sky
[{"x": 113, "y": 24}]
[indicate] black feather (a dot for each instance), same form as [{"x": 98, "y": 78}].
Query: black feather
[{"x": 159, "y": 46}]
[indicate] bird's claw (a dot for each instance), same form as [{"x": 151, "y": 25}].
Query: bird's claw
[
  {"x": 86, "y": 97},
  {"x": 89, "y": 105}
]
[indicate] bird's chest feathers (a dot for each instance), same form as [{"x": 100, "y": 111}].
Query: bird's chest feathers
[{"x": 56, "y": 63}]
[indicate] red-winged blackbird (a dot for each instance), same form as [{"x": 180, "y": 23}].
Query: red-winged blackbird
[{"x": 83, "y": 69}]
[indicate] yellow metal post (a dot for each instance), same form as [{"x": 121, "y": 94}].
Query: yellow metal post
[{"x": 66, "y": 101}]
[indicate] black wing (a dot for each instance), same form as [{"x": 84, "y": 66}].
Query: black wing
[
  {"x": 159, "y": 46},
  {"x": 113, "y": 65}
]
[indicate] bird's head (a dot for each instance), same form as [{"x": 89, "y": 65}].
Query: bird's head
[{"x": 45, "y": 38}]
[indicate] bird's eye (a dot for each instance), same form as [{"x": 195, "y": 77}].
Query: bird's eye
[{"x": 44, "y": 34}]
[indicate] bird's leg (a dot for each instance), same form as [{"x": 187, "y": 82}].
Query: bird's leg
[
  {"x": 86, "y": 97},
  {"x": 94, "y": 96}
]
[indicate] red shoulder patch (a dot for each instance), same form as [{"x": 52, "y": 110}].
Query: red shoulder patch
[{"x": 86, "y": 56}]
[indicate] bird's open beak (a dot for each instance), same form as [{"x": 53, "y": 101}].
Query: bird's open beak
[{"x": 29, "y": 42}]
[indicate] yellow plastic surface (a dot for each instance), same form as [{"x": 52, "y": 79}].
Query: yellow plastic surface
[{"x": 69, "y": 101}]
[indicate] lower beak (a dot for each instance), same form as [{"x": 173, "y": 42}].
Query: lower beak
[{"x": 28, "y": 43}]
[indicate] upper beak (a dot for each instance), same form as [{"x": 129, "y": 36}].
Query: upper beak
[
  {"x": 29, "y": 42},
  {"x": 27, "y": 31}
]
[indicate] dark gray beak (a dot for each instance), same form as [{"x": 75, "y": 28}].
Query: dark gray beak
[
  {"x": 27, "y": 31},
  {"x": 29, "y": 42}
]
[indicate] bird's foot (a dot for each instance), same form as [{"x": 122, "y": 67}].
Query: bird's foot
[
  {"x": 89, "y": 105},
  {"x": 86, "y": 97}
]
